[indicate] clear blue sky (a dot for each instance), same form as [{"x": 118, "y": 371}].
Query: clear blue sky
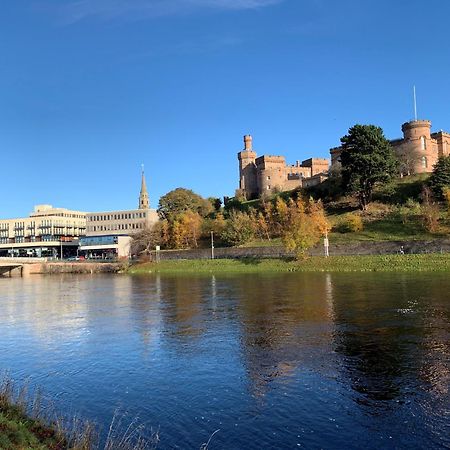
[{"x": 90, "y": 89}]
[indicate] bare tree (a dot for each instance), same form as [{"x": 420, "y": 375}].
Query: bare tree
[{"x": 143, "y": 242}]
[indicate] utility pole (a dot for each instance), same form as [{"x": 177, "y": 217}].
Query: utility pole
[
  {"x": 326, "y": 245},
  {"x": 212, "y": 244}
]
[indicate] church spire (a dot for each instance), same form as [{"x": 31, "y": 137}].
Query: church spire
[{"x": 144, "y": 202}]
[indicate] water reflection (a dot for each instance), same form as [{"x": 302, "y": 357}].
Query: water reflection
[{"x": 295, "y": 360}]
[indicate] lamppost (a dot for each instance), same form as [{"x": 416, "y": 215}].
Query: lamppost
[
  {"x": 326, "y": 244},
  {"x": 212, "y": 244}
]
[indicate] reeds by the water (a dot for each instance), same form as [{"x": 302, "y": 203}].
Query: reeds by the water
[{"x": 30, "y": 421}]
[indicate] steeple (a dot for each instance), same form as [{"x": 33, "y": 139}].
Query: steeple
[{"x": 144, "y": 202}]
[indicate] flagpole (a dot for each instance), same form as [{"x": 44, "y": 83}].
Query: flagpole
[{"x": 415, "y": 103}]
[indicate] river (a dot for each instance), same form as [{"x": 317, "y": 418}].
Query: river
[{"x": 279, "y": 361}]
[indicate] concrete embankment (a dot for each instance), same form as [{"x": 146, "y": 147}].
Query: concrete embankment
[{"x": 67, "y": 267}]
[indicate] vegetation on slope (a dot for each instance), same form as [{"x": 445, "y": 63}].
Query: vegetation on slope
[{"x": 372, "y": 263}]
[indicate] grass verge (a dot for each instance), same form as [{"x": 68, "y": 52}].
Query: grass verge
[
  {"x": 28, "y": 425},
  {"x": 371, "y": 263}
]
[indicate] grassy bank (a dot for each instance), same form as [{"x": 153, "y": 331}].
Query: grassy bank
[
  {"x": 17, "y": 431},
  {"x": 25, "y": 424},
  {"x": 21, "y": 425},
  {"x": 372, "y": 263}
]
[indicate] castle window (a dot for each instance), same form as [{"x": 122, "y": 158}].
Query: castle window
[
  {"x": 268, "y": 187},
  {"x": 424, "y": 162},
  {"x": 268, "y": 177},
  {"x": 423, "y": 143}
]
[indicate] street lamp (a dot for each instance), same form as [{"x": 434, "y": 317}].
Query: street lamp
[{"x": 212, "y": 244}]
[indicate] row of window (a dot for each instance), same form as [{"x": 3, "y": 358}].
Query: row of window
[
  {"x": 116, "y": 227},
  {"x": 119, "y": 216},
  {"x": 21, "y": 239},
  {"x": 423, "y": 144}
]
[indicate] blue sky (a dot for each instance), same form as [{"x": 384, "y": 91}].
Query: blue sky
[{"x": 90, "y": 89}]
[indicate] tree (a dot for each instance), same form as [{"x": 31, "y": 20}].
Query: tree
[
  {"x": 367, "y": 158},
  {"x": 440, "y": 178},
  {"x": 144, "y": 241},
  {"x": 305, "y": 225},
  {"x": 216, "y": 203},
  {"x": 239, "y": 229},
  {"x": 181, "y": 200}
]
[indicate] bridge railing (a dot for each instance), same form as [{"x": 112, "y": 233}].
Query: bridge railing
[{"x": 4, "y": 259}]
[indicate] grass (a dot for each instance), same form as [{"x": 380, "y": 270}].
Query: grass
[
  {"x": 20, "y": 430},
  {"x": 27, "y": 425},
  {"x": 372, "y": 263}
]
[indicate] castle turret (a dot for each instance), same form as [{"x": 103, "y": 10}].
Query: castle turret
[
  {"x": 144, "y": 202},
  {"x": 248, "y": 143},
  {"x": 418, "y": 146},
  {"x": 247, "y": 169}
]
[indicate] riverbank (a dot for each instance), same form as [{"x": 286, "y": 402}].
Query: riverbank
[
  {"x": 20, "y": 424},
  {"x": 371, "y": 263},
  {"x": 30, "y": 423}
]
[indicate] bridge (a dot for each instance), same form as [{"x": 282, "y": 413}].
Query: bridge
[{"x": 8, "y": 265}]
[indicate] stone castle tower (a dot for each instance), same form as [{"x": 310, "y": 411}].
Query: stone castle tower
[
  {"x": 418, "y": 150},
  {"x": 144, "y": 202},
  {"x": 267, "y": 174},
  {"x": 247, "y": 169}
]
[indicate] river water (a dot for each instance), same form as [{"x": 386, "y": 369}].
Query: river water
[{"x": 286, "y": 361}]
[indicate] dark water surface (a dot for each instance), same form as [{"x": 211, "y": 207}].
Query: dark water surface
[{"x": 272, "y": 361}]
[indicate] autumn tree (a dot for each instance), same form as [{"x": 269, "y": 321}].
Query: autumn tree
[
  {"x": 306, "y": 224},
  {"x": 239, "y": 229},
  {"x": 367, "y": 158},
  {"x": 186, "y": 230},
  {"x": 181, "y": 200}
]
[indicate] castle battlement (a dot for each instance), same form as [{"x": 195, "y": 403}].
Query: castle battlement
[
  {"x": 418, "y": 150},
  {"x": 266, "y": 174}
]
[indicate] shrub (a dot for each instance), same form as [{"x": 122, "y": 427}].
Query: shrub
[
  {"x": 430, "y": 217},
  {"x": 350, "y": 223}
]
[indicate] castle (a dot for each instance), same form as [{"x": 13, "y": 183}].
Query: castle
[
  {"x": 418, "y": 150},
  {"x": 268, "y": 174}
]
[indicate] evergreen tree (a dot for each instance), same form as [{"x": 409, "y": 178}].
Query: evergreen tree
[
  {"x": 440, "y": 178},
  {"x": 367, "y": 158}
]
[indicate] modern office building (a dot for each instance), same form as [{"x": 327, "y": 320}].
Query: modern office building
[
  {"x": 108, "y": 233},
  {"x": 47, "y": 232}
]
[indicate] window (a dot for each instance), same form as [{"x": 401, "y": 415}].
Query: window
[
  {"x": 268, "y": 177},
  {"x": 423, "y": 143},
  {"x": 424, "y": 162},
  {"x": 268, "y": 187}
]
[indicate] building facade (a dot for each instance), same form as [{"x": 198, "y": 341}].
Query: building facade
[
  {"x": 268, "y": 174},
  {"x": 418, "y": 150},
  {"x": 47, "y": 232},
  {"x": 108, "y": 233}
]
